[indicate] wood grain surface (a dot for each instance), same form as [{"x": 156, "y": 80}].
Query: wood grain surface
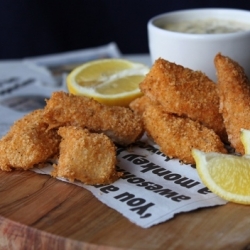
[{"x": 39, "y": 212}]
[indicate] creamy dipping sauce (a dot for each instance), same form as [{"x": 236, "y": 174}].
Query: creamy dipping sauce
[{"x": 207, "y": 26}]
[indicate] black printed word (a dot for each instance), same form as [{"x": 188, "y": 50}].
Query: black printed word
[
  {"x": 147, "y": 147},
  {"x": 204, "y": 190},
  {"x": 138, "y": 204},
  {"x": 16, "y": 85},
  {"x": 107, "y": 188},
  {"x": 160, "y": 171},
  {"x": 153, "y": 187}
]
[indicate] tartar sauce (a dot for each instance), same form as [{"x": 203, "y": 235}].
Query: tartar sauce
[{"x": 207, "y": 26}]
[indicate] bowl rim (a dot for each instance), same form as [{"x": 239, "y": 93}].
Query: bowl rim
[{"x": 210, "y": 11}]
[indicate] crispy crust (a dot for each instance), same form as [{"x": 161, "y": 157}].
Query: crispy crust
[
  {"x": 176, "y": 136},
  {"x": 28, "y": 143},
  {"x": 119, "y": 123},
  {"x": 85, "y": 156},
  {"x": 186, "y": 93},
  {"x": 139, "y": 104},
  {"x": 234, "y": 92}
]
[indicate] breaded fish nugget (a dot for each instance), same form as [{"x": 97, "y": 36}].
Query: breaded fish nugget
[
  {"x": 27, "y": 143},
  {"x": 85, "y": 156},
  {"x": 234, "y": 92},
  {"x": 176, "y": 136},
  {"x": 185, "y": 92},
  {"x": 139, "y": 104},
  {"x": 120, "y": 124}
]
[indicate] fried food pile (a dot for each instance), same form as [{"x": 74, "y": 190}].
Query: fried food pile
[
  {"x": 183, "y": 109},
  {"x": 78, "y": 131}
]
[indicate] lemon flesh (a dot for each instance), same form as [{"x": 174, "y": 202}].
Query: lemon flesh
[
  {"x": 109, "y": 81},
  {"x": 122, "y": 85},
  {"x": 228, "y": 176},
  {"x": 101, "y": 69},
  {"x": 245, "y": 139}
]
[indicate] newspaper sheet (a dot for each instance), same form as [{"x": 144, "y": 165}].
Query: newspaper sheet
[{"x": 153, "y": 189}]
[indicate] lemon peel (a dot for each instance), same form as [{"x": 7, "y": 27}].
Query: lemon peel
[
  {"x": 228, "y": 176},
  {"x": 109, "y": 81}
]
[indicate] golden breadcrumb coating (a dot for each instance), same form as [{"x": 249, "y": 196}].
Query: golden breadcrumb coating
[
  {"x": 185, "y": 92},
  {"x": 87, "y": 157},
  {"x": 27, "y": 143},
  {"x": 176, "y": 136},
  {"x": 139, "y": 104},
  {"x": 234, "y": 92},
  {"x": 121, "y": 124}
]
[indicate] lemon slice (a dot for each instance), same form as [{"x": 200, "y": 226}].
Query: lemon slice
[
  {"x": 245, "y": 139},
  {"x": 226, "y": 175},
  {"x": 109, "y": 81}
]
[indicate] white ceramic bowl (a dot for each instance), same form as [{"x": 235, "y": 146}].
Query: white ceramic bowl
[{"x": 197, "y": 51}]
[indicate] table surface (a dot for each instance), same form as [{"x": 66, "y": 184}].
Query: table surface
[{"x": 40, "y": 212}]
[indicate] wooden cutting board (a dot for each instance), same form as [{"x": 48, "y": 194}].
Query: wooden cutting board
[{"x": 39, "y": 212}]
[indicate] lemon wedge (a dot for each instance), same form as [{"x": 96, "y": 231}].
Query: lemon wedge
[
  {"x": 228, "y": 176},
  {"x": 245, "y": 139},
  {"x": 109, "y": 81}
]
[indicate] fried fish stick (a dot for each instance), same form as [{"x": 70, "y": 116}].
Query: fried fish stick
[
  {"x": 185, "y": 92},
  {"x": 234, "y": 92},
  {"x": 176, "y": 136},
  {"x": 28, "y": 143},
  {"x": 85, "y": 156},
  {"x": 139, "y": 104},
  {"x": 121, "y": 124}
]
